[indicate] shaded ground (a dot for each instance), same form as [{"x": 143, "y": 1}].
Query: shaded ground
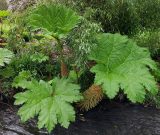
[{"x": 106, "y": 119}]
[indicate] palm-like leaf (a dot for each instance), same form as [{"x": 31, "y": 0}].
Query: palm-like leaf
[
  {"x": 55, "y": 19},
  {"x": 122, "y": 64},
  {"x": 5, "y": 56}
]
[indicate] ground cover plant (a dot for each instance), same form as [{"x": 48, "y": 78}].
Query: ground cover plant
[{"x": 56, "y": 59}]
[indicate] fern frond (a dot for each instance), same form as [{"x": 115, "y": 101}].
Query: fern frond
[{"x": 92, "y": 97}]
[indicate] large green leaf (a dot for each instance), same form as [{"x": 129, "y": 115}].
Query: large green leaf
[
  {"x": 55, "y": 19},
  {"x": 5, "y": 56},
  {"x": 122, "y": 64},
  {"x": 51, "y": 102}
]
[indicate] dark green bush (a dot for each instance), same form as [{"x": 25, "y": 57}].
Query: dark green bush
[
  {"x": 148, "y": 11},
  {"x": 115, "y": 16},
  {"x": 123, "y": 16}
]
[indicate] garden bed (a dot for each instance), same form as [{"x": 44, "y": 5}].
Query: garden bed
[{"x": 61, "y": 56}]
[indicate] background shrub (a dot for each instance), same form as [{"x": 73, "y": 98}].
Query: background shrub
[
  {"x": 148, "y": 11},
  {"x": 3, "y": 5},
  {"x": 150, "y": 39},
  {"x": 123, "y": 16}
]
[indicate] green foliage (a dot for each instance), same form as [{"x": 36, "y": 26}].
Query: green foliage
[
  {"x": 5, "y": 56},
  {"x": 122, "y": 64},
  {"x": 4, "y": 13},
  {"x": 148, "y": 11},
  {"x": 7, "y": 72},
  {"x": 15, "y": 39},
  {"x": 5, "y": 28},
  {"x": 39, "y": 68},
  {"x": 82, "y": 40},
  {"x": 39, "y": 57},
  {"x": 21, "y": 79},
  {"x": 51, "y": 102},
  {"x": 114, "y": 15},
  {"x": 122, "y": 16},
  {"x": 150, "y": 39},
  {"x": 55, "y": 19}
]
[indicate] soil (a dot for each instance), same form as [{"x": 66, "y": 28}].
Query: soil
[{"x": 106, "y": 119}]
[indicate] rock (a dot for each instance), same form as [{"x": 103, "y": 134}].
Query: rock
[
  {"x": 105, "y": 119},
  {"x": 8, "y": 133},
  {"x": 19, "y": 5},
  {"x": 3, "y": 5}
]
